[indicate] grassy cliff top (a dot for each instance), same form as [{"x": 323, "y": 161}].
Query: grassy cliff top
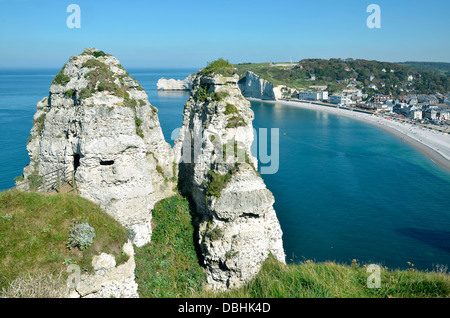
[
  {"x": 168, "y": 267},
  {"x": 35, "y": 229},
  {"x": 219, "y": 67},
  {"x": 338, "y": 73}
]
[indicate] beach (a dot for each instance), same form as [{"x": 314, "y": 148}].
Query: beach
[{"x": 435, "y": 145}]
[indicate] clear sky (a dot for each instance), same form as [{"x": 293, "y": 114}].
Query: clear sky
[{"x": 34, "y": 33}]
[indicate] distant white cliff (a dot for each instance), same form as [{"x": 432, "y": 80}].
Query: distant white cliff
[
  {"x": 174, "y": 85},
  {"x": 252, "y": 85}
]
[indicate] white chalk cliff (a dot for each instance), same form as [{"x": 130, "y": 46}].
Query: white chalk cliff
[
  {"x": 97, "y": 121},
  {"x": 174, "y": 85},
  {"x": 252, "y": 85},
  {"x": 236, "y": 224}
]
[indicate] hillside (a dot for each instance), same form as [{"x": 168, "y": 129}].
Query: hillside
[
  {"x": 35, "y": 230},
  {"x": 439, "y": 68},
  {"x": 337, "y": 74}
]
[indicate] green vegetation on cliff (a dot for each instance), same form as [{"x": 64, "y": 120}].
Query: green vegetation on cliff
[
  {"x": 35, "y": 230},
  {"x": 332, "y": 280},
  {"x": 61, "y": 78},
  {"x": 219, "y": 67},
  {"x": 168, "y": 266},
  {"x": 338, "y": 73}
]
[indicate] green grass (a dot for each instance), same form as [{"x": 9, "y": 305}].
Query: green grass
[
  {"x": 168, "y": 265},
  {"x": 34, "y": 229},
  {"x": 230, "y": 109},
  {"x": 217, "y": 182},
  {"x": 236, "y": 121},
  {"x": 39, "y": 122},
  {"x": 138, "y": 123},
  {"x": 61, "y": 78},
  {"x": 95, "y": 53},
  {"x": 219, "y": 67},
  {"x": 101, "y": 78},
  {"x": 19, "y": 179},
  {"x": 332, "y": 280},
  {"x": 69, "y": 93}
]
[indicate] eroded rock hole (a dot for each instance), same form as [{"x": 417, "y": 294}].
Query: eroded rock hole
[
  {"x": 76, "y": 161},
  {"x": 106, "y": 162}
]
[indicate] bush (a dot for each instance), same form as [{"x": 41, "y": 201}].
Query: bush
[
  {"x": 218, "y": 96},
  {"x": 230, "y": 109},
  {"x": 81, "y": 235},
  {"x": 61, "y": 78},
  {"x": 202, "y": 94},
  {"x": 99, "y": 54},
  {"x": 217, "y": 182},
  {"x": 19, "y": 179},
  {"x": 219, "y": 67},
  {"x": 100, "y": 74},
  {"x": 215, "y": 234},
  {"x": 69, "y": 93},
  {"x": 84, "y": 93},
  {"x": 236, "y": 121},
  {"x": 138, "y": 123}
]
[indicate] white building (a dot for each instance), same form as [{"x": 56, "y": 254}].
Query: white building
[
  {"x": 323, "y": 95},
  {"x": 416, "y": 113},
  {"x": 444, "y": 114},
  {"x": 340, "y": 99},
  {"x": 432, "y": 113},
  {"x": 309, "y": 95}
]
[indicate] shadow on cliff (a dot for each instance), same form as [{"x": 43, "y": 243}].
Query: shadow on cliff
[
  {"x": 181, "y": 184},
  {"x": 437, "y": 239}
]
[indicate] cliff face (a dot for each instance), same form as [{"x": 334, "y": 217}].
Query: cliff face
[
  {"x": 252, "y": 85},
  {"x": 98, "y": 122},
  {"x": 235, "y": 221},
  {"x": 174, "y": 85}
]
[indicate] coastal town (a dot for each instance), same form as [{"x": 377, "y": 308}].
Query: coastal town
[{"x": 429, "y": 111}]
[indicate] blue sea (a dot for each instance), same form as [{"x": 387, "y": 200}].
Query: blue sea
[{"x": 344, "y": 189}]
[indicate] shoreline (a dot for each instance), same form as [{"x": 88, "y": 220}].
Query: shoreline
[{"x": 434, "y": 145}]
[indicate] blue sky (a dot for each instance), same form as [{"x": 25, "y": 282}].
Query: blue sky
[{"x": 33, "y": 33}]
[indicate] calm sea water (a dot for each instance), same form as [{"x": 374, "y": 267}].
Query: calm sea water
[{"x": 344, "y": 190}]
